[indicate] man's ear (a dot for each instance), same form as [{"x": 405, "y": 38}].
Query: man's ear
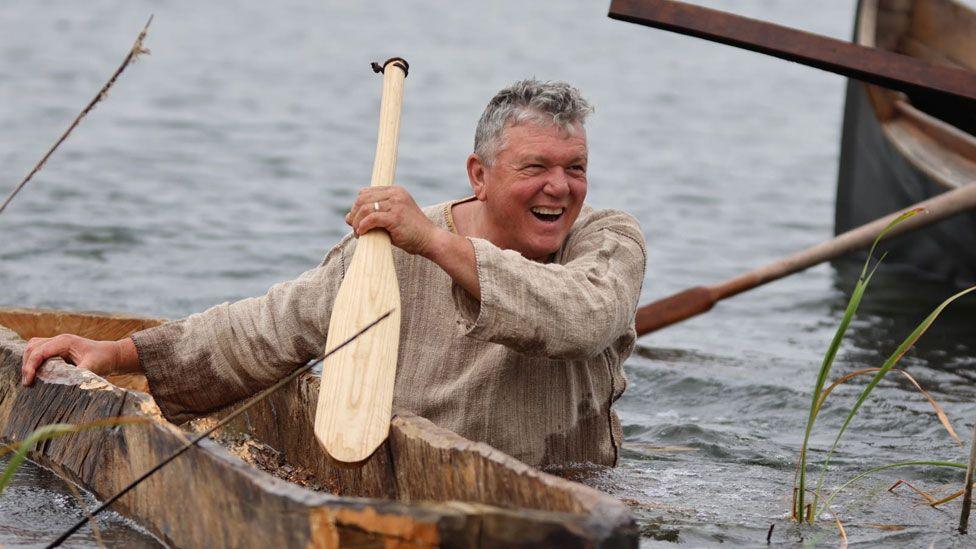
[{"x": 476, "y": 176}]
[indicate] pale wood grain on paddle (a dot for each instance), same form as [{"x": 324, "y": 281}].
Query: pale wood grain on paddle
[{"x": 356, "y": 397}]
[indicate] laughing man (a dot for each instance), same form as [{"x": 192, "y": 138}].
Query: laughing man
[{"x": 517, "y": 303}]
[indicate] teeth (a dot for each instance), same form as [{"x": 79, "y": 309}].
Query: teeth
[{"x": 547, "y": 211}]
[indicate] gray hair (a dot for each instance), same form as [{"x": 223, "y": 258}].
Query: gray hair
[{"x": 544, "y": 103}]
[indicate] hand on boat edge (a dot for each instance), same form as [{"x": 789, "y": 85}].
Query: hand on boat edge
[{"x": 99, "y": 357}]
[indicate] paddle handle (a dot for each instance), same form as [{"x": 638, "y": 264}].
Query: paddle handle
[
  {"x": 384, "y": 165},
  {"x": 695, "y": 301}
]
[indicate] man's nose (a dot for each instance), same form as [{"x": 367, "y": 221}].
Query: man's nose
[{"x": 557, "y": 183}]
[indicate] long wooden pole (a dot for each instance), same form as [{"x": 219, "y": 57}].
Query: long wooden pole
[
  {"x": 355, "y": 403},
  {"x": 871, "y": 65},
  {"x": 699, "y": 299}
]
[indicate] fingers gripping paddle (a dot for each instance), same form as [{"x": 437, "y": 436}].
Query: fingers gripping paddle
[{"x": 356, "y": 395}]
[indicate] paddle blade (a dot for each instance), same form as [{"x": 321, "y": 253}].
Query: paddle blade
[{"x": 356, "y": 395}]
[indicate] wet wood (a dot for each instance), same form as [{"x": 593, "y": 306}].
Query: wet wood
[
  {"x": 876, "y": 66},
  {"x": 472, "y": 495}
]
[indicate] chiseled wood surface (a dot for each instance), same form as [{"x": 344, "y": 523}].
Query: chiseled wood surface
[
  {"x": 422, "y": 462},
  {"x": 451, "y": 491},
  {"x": 30, "y": 323},
  {"x": 355, "y": 405}
]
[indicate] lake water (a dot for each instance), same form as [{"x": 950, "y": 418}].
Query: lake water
[{"x": 224, "y": 161}]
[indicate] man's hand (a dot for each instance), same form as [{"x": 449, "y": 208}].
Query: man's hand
[
  {"x": 100, "y": 357},
  {"x": 392, "y": 208}
]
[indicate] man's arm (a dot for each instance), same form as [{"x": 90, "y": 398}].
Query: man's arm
[{"x": 573, "y": 309}]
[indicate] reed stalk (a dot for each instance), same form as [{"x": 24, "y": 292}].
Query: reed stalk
[
  {"x": 137, "y": 50},
  {"x": 967, "y": 499}
]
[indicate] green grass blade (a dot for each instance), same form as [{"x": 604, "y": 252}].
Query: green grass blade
[
  {"x": 885, "y": 368},
  {"x": 828, "y": 361},
  {"x": 852, "y": 306},
  {"x": 894, "y": 222},
  {"x": 20, "y": 449},
  {"x": 48, "y": 432}
]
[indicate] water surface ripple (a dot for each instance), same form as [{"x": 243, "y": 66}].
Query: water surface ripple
[{"x": 224, "y": 161}]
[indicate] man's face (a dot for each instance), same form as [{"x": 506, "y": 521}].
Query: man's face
[{"x": 534, "y": 190}]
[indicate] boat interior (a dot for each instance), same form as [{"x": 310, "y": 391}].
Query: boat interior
[{"x": 937, "y": 134}]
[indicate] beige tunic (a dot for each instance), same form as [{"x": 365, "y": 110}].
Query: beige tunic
[{"x": 532, "y": 369}]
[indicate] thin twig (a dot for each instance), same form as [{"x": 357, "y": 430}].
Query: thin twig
[
  {"x": 137, "y": 49},
  {"x": 84, "y": 509},
  {"x": 254, "y": 400},
  {"x": 967, "y": 499}
]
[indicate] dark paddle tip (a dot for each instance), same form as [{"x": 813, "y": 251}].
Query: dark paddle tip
[{"x": 398, "y": 61}]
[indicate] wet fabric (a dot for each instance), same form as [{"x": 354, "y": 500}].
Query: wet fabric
[{"x": 533, "y": 368}]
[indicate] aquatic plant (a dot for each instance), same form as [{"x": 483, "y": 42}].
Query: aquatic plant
[{"x": 800, "y": 510}]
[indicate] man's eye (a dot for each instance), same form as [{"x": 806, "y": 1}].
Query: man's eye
[{"x": 578, "y": 169}]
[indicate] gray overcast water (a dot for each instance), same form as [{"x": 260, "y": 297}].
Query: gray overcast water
[{"x": 224, "y": 161}]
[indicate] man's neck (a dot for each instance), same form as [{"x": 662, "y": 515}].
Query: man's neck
[{"x": 468, "y": 218}]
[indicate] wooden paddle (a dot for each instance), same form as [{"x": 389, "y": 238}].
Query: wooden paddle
[
  {"x": 872, "y": 65},
  {"x": 697, "y": 300},
  {"x": 356, "y": 395}
]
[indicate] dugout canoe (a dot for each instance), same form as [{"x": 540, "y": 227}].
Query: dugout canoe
[
  {"x": 424, "y": 487},
  {"x": 899, "y": 149}
]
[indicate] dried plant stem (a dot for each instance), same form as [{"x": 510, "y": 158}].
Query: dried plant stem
[
  {"x": 967, "y": 499},
  {"x": 84, "y": 509},
  {"x": 137, "y": 49}
]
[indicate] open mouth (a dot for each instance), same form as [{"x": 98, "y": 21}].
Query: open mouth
[{"x": 549, "y": 215}]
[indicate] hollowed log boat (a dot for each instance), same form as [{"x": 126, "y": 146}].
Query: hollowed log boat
[
  {"x": 424, "y": 487},
  {"x": 899, "y": 149}
]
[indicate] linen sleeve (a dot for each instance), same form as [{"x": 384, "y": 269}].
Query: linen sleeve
[
  {"x": 575, "y": 308},
  {"x": 211, "y": 359}
]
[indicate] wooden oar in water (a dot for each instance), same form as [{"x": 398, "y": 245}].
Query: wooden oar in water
[
  {"x": 356, "y": 395},
  {"x": 697, "y": 300}
]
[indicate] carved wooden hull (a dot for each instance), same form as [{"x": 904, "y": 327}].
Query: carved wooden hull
[
  {"x": 898, "y": 150},
  {"x": 425, "y": 486}
]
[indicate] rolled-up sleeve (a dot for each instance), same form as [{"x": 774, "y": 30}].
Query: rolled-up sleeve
[
  {"x": 211, "y": 359},
  {"x": 574, "y": 307}
]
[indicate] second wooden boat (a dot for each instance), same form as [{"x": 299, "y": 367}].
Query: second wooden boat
[
  {"x": 424, "y": 487},
  {"x": 898, "y": 150}
]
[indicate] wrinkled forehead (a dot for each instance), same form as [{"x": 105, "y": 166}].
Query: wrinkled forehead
[{"x": 545, "y": 124}]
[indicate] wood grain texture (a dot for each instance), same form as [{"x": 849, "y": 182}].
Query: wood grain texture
[
  {"x": 871, "y": 65},
  {"x": 948, "y": 28},
  {"x": 225, "y": 502},
  {"x": 356, "y": 399}
]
